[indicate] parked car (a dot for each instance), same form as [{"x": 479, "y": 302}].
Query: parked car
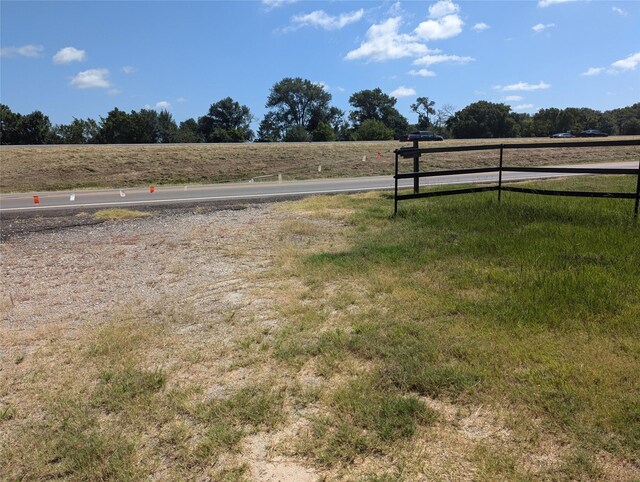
[
  {"x": 423, "y": 136},
  {"x": 562, "y": 135},
  {"x": 592, "y": 133}
]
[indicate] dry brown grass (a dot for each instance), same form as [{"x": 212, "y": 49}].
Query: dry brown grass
[
  {"x": 50, "y": 168},
  {"x": 117, "y": 214}
]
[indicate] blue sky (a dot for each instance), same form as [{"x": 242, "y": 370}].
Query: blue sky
[{"x": 82, "y": 59}]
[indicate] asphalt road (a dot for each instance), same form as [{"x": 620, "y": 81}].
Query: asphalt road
[{"x": 166, "y": 195}]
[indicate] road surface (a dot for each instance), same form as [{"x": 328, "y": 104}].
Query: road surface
[{"x": 164, "y": 195}]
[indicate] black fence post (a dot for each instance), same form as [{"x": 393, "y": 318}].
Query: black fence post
[
  {"x": 395, "y": 194},
  {"x": 635, "y": 210},
  {"x": 500, "y": 175},
  {"x": 416, "y": 168}
]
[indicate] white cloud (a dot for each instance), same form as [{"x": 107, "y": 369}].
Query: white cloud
[
  {"x": 441, "y": 58},
  {"x": 443, "y": 8},
  {"x": 480, "y": 27},
  {"x": 422, "y": 73},
  {"x": 619, "y": 11},
  {"x": 24, "y": 51},
  {"x": 513, "y": 98},
  {"x": 546, "y": 3},
  {"x": 541, "y": 27},
  {"x": 271, "y": 4},
  {"x": 321, "y": 19},
  {"x": 403, "y": 92},
  {"x": 324, "y": 85},
  {"x": 630, "y": 63},
  {"x": 523, "y": 107},
  {"x": 163, "y": 105},
  {"x": 593, "y": 71},
  {"x": 384, "y": 42},
  {"x": 523, "y": 86},
  {"x": 181, "y": 100},
  {"x": 442, "y": 28},
  {"x": 128, "y": 69},
  {"x": 92, "y": 78},
  {"x": 68, "y": 55}
]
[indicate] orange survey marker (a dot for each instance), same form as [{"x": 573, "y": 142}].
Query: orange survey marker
[
  {"x": 152, "y": 189},
  {"x": 36, "y": 199}
]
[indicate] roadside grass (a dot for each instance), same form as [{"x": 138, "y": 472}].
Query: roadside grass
[
  {"x": 52, "y": 168},
  {"x": 118, "y": 214},
  {"x": 531, "y": 307},
  {"x": 118, "y": 415}
]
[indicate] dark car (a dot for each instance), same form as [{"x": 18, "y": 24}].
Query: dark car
[
  {"x": 562, "y": 135},
  {"x": 423, "y": 136},
  {"x": 592, "y": 133}
]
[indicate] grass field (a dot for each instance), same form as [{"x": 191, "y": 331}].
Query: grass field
[
  {"x": 49, "y": 168},
  {"x": 460, "y": 340}
]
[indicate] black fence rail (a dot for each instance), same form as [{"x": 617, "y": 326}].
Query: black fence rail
[{"x": 416, "y": 152}]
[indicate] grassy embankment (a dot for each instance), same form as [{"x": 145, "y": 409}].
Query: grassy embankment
[
  {"x": 531, "y": 308},
  {"x": 461, "y": 339},
  {"x": 50, "y": 168}
]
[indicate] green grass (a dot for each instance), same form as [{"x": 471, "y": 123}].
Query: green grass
[{"x": 532, "y": 304}]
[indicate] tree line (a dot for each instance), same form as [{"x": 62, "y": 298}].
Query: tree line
[{"x": 300, "y": 110}]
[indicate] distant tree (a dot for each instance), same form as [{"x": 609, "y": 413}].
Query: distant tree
[
  {"x": 115, "y": 128},
  {"x": 167, "y": 129},
  {"x": 144, "y": 126},
  {"x": 373, "y": 130},
  {"x": 442, "y": 116},
  {"x": 481, "y": 120},
  {"x": 323, "y": 133},
  {"x": 269, "y": 130},
  {"x": 79, "y": 131},
  {"x": 9, "y": 125},
  {"x": 376, "y": 105},
  {"x": 35, "y": 128},
  {"x": 296, "y": 134},
  {"x": 226, "y": 121},
  {"x": 523, "y": 124},
  {"x": 424, "y": 108},
  {"x": 188, "y": 132},
  {"x": 295, "y": 102}
]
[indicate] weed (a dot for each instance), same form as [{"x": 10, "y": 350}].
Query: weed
[
  {"x": 119, "y": 389},
  {"x": 257, "y": 406},
  {"x": 70, "y": 442}
]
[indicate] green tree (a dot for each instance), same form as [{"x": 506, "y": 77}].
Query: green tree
[
  {"x": 323, "y": 133},
  {"x": 296, "y": 134},
  {"x": 226, "y": 121},
  {"x": 295, "y": 102},
  {"x": 115, "y": 128},
  {"x": 35, "y": 128},
  {"x": 376, "y": 105},
  {"x": 9, "y": 125},
  {"x": 482, "y": 120},
  {"x": 373, "y": 130},
  {"x": 269, "y": 130},
  {"x": 144, "y": 128},
  {"x": 424, "y": 108},
  {"x": 167, "y": 129},
  {"x": 79, "y": 131},
  {"x": 188, "y": 132}
]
